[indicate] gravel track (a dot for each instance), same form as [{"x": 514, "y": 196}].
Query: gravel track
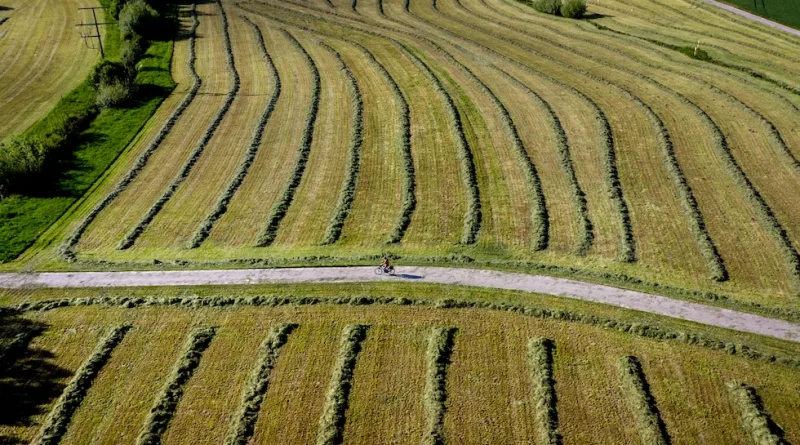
[{"x": 562, "y": 287}]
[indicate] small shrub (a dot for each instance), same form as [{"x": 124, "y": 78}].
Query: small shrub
[
  {"x": 114, "y": 94},
  {"x": 107, "y": 73},
  {"x": 573, "y": 9},
  {"x": 137, "y": 17},
  {"x": 547, "y": 6}
]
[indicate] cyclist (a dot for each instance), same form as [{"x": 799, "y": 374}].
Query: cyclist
[{"x": 385, "y": 264}]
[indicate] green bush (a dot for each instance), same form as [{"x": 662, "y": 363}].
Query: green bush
[
  {"x": 114, "y": 94},
  {"x": 137, "y": 17},
  {"x": 131, "y": 52},
  {"x": 547, "y": 6},
  {"x": 573, "y": 9},
  {"x": 106, "y": 73}
]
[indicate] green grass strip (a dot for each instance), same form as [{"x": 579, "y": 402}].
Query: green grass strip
[
  {"x": 643, "y": 406},
  {"x": 279, "y": 209},
  {"x": 131, "y": 237},
  {"x": 331, "y": 423},
  {"x": 167, "y": 401},
  {"x": 540, "y": 360},
  {"x": 348, "y": 190},
  {"x": 440, "y": 348},
  {"x": 55, "y": 425},
  {"x": 244, "y": 423},
  {"x": 754, "y": 418},
  {"x": 255, "y": 144}
]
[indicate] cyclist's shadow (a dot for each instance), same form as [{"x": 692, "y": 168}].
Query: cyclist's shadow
[{"x": 408, "y": 276}]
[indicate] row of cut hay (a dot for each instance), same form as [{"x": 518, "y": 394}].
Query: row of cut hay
[
  {"x": 281, "y": 206},
  {"x": 347, "y": 193},
  {"x": 721, "y": 144},
  {"x": 644, "y": 330},
  {"x": 131, "y": 237},
  {"x": 472, "y": 219},
  {"x": 222, "y": 204},
  {"x": 778, "y": 48},
  {"x": 540, "y": 360},
  {"x": 532, "y": 181},
  {"x": 60, "y": 416},
  {"x": 731, "y": 245},
  {"x": 331, "y": 423},
  {"x": 586, "y": 237},
  {"x": 167, "y": 401},
  {"x": 627, "y": 242},
  {"x": 433, "y": 175},
  {"x": 755, "y": 419},
  {"x": 539, "y": 214},
  {"x": 440, "y": 347},
  {"x": 777, "y": 75},
  {"x": 68, "y": 248},
  {"x": 244, "y": 421},
  {"x": 648, "y": 419},
  {"x": 409, "y": 176}
]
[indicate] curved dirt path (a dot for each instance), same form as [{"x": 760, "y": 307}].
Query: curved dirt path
[
  {"x": 753, "y": 17},
  {"x": 562, "y": 287}
]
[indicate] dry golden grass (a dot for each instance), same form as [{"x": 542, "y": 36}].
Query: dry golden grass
[
  {"x": 488, "y": 384},
  {"x": 43, "y": 58}
]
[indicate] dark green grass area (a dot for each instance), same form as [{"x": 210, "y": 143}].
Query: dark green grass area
[
  {"x": 786, "y": 12},
  {"x": 24, "y": 217}
]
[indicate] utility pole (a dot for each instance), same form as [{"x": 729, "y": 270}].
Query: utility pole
[{"x": 96, "y": 26}]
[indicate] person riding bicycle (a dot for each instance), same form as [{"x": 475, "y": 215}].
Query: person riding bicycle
[{"x": 385, "y": 263}]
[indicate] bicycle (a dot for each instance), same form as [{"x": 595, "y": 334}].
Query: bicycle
[{"x": 380, "y": 270}]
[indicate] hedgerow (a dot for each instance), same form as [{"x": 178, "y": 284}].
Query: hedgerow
[
  {"x": 167, "y": 401},
  {"x": 755, "y": 419},
  {"x": 55, "y": 425},
  {"x": 409, "y": 176},
  {"x": 140, "y": 227},
  {"x": 648, "y": 419},
  {"x": 255, "y": 144},
  {"x": 586, "y": 236},
  {"x": 440, "y": 347},
  {"x": 539, "y": 215},
  {"x": 627, "y": 242},
  {"x": 281, "y": 206},
  {"x": 540, "y": 360},
  {"x": 67, "y": 249},
  {"x": 472, "y": 219},
  {"x": 644, "y": 330},
  {"x": 348, "y": 190},
  {"x": 244, "y": 422},
  {"x": 331, "y": 423}
]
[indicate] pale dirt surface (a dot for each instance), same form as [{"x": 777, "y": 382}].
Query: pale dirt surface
[
  {"x": 562, "y": 287},
  {"x": 753, "y": 17}
]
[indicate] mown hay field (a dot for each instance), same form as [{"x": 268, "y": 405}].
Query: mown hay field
[
  {"x": 464, "y": 130},
  {"x": 43, "y": 58},
  {"x": 330, "y": 363}
]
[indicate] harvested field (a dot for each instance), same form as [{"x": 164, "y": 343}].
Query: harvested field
[
  {"x": 476, "y": 131},
  {"x": 465, "y": 375}
]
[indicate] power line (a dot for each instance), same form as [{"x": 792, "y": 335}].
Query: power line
[{"x": 96, "y": 26}]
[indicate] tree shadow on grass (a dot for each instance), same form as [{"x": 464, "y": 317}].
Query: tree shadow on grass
[{"x": 29, "y": 381}]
